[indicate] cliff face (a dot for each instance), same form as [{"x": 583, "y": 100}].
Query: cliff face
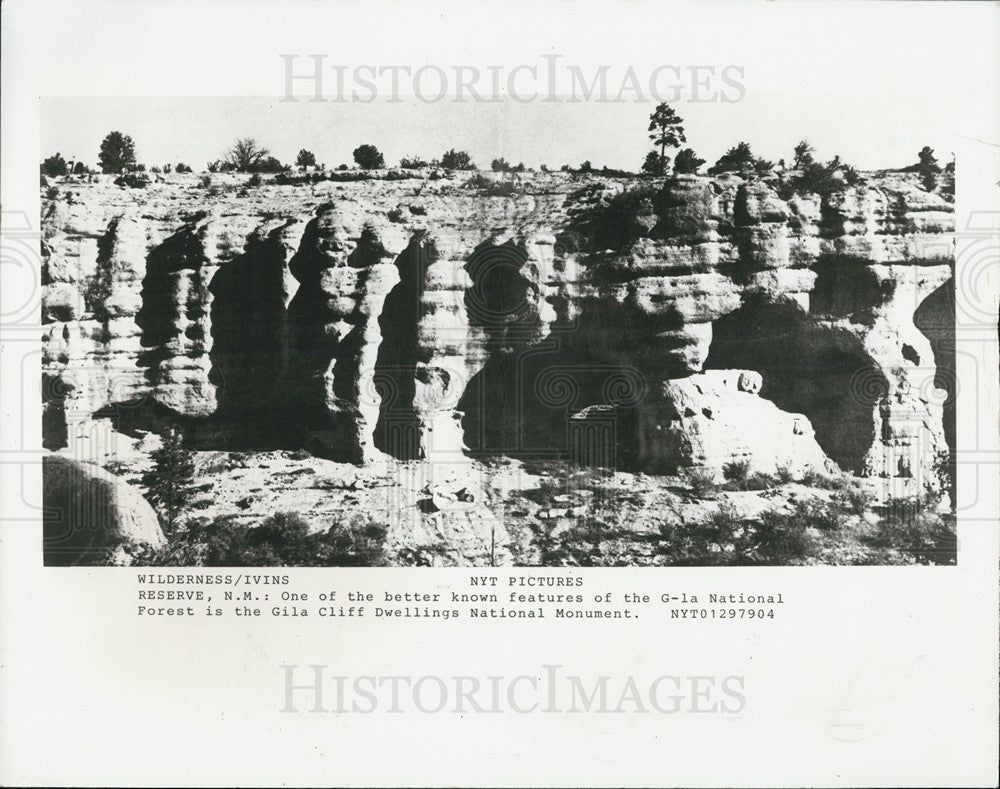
[{"x": 693, "y": 323}]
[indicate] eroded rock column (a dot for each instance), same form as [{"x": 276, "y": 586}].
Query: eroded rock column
[
  {"x": 345, "y": 273},
  {"x": 91, "y": 340},
  {"x": 175, "y": 319},
  {"x": 450, "y": 352}
]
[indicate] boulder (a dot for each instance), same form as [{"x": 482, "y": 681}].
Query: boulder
[
  {"x": 89, "y": 513},
  {"x": 717, "y": 417}
]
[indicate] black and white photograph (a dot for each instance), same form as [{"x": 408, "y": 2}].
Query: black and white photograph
[
  {"x": 454, "y": 360},
  {"x": 499, "y": 394}
]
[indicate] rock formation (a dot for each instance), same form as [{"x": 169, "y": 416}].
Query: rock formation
[
  {"x": 651, "y": 327},
  {"x": 717, "y": 417},
  {"x": 90, "y": 512}
]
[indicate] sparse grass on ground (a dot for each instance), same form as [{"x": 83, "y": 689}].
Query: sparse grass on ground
[
  {"x": 552, "y": 514},
  {"x": 836, "y": 522},
  {"x": 490, "y": 187},
  {"x": 282, "y": 540}
]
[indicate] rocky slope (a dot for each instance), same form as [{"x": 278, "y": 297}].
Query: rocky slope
[{"x": 421, "y": 320}]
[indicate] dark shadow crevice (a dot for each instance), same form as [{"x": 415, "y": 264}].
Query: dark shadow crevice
[{"x": 810, "y": 368}]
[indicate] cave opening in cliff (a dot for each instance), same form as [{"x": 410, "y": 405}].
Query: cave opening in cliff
[
  {"x": 55, "y": 430},
  {"x": 565, "y": 398},
  {"x": 397, "y": 431},
  {"x": 502, "y": 302},
  {"x": 846, "y": 287},
  {"x": 809, "y": 367},
  {"x": 559, "y": 389},
  {"x": 250, "y": 348},
  {"x": 935, "y": 318},
  {"x": 161, "y": 312}
]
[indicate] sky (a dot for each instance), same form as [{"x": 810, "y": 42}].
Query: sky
[
  {"x": 868, "y": 130},
  {"x": 871, "y": 82}
]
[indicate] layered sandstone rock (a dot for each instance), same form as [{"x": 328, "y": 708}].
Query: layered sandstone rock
[
  {"x": 345, "y": 273},
  {"x": 430, "y": 352},
  {"x": 421, "y": 319},
  {"x": 717, "y": 418}
]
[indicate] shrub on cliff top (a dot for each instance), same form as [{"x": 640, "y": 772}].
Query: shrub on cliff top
[
  {"x": 503, "y": 166},
  {"x": 270, "y": 164},
  {"x": 305, "y": 159},
  {"x": 740, "y": 159},
  {"x": 815, "y": 177},
  {"x": 687, "y": 162},
  {"x": 291, "y": 179},
  {"x": 487, "y": 186},
  {"x": 928, "y": 168},
  {"x": 368, "y": 157},
  {"x": 117, "y": 153},
  {"x": 54, "y": 166},
  {"x": 136, "y": 180},
  {"x": 803, "y": 155},
  {"x": 666, "y": 128},
  {"x": 851, "y": 175},
  {"x": 245, "y": 155},
  {"x": 457, "y": 160},
  {"x": 656, "y": 164},
  {"x": 819, "y": 178}
]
